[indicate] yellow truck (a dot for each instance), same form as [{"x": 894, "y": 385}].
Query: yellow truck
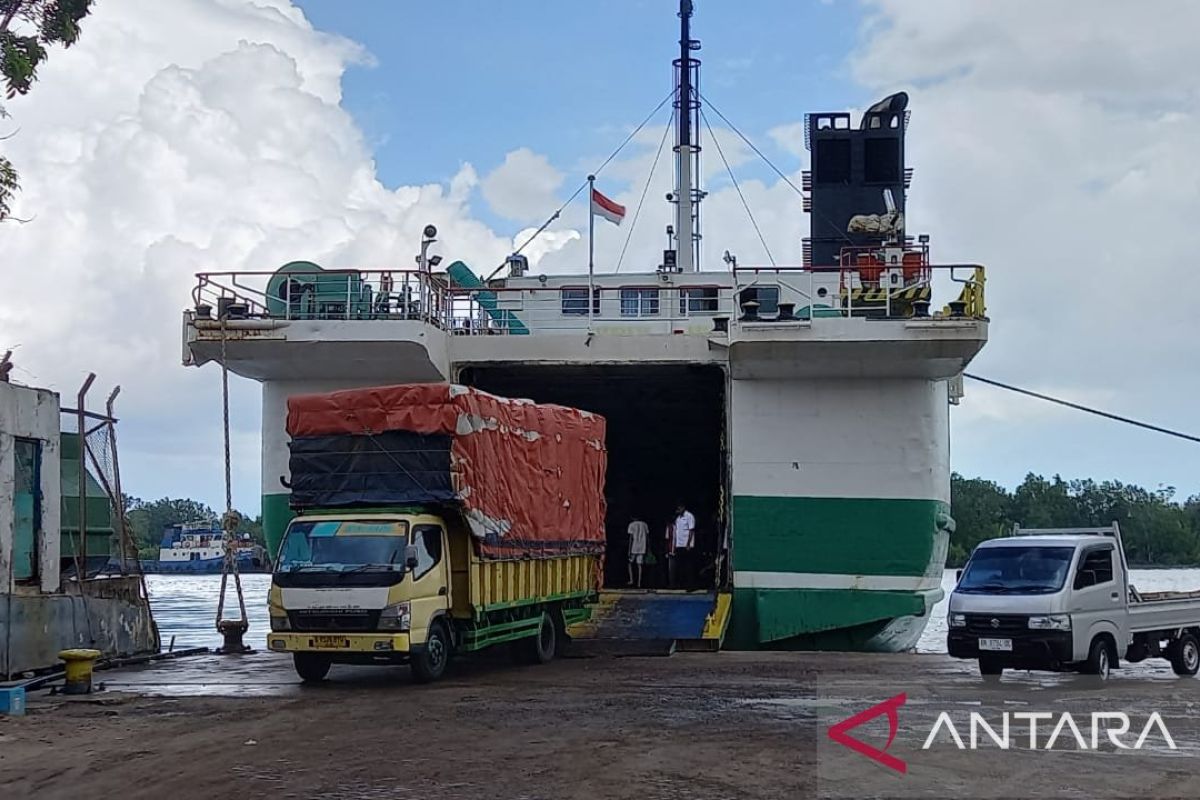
[{"x": 487, "y": 556}]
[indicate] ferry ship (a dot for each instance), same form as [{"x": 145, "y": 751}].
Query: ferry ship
[
  {"x": 802, "y": 411},
  {"x": 198, "y": 548}
]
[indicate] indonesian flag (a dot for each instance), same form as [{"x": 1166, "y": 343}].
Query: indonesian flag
[{"x": 601, "y": 205}]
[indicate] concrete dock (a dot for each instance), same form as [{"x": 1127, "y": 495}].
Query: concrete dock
[{"x": 692, "y": 725}]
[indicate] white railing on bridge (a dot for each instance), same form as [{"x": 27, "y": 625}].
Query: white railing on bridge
[{"x": 757, "y": 294}]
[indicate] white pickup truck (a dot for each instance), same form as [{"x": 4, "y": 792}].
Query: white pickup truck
[{"x": 1060, "y": 599}]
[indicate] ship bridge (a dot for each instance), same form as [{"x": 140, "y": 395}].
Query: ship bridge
[{"x": 864, "y": 319}]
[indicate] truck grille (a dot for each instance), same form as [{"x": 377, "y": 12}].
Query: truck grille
[
  {"x": 324, "y": 620},
  {"x": 981, "y": 624}
]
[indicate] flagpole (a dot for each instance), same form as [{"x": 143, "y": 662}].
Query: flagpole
[{"x": 591, "y": 248}]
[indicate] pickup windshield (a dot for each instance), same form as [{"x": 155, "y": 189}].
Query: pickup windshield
[
  {"x": 1016, "y": 570},
  {"x": 343, "y": 546}
]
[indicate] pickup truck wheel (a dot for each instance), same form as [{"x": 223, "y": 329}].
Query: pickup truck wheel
[
  {"x": 1185, "y": 655},
  {"x": 990, "y": 668},
  {"x": 311, "y": 667},
  {"x": 542, "y": 646},
  {"x": 430, "y": 664},
  {"x": 1099, "y": 661}
]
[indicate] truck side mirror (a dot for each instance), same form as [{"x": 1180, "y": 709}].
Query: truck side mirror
[
  {"x": 410, "y": 556},
  {"x": 957, "y": 575}
]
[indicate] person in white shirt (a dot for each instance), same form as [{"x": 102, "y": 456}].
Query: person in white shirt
[
  {"x": 638, "y": 533},
  {"x": 682, "y": 538}
]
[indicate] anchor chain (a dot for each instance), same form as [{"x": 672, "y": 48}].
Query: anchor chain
[{"x": 231, "y": 629}]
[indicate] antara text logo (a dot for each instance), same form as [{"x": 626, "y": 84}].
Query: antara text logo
[{"x": 1037, "y": 730}]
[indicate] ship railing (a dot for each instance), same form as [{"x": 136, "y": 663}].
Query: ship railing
[
  {"x": 635, "y": 309},
  {"x": 899, "y": 292},
  {"x": 348, "y": 294}
]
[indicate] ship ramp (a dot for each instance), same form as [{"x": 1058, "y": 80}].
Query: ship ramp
[{"x": 641, "y": 623}]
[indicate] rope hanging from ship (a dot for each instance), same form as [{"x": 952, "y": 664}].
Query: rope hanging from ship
[{"x": 232, "y": 630}]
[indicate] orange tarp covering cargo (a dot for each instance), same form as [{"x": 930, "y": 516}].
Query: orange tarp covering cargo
[{"x": 529, "y": 478}]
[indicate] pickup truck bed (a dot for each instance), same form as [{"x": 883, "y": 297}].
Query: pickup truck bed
[{"x": 1161, "y": 611}]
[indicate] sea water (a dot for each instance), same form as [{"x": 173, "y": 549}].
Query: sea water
[{"x": 185, "y": 606}]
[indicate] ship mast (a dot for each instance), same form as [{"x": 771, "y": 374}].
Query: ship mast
[{"x": 687, "y": 195}]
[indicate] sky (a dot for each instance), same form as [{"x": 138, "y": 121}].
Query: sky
[{"x": 1053, "y": 145}]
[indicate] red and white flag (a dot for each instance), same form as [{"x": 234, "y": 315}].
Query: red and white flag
[{"x": 611, "y": 211}]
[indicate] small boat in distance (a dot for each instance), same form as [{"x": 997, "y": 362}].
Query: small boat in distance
[{"x": 197, "y": 548}]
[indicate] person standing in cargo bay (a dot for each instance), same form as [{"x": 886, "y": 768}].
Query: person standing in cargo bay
[
  {"x": 681, "y": 538},
  {"x": 639, "y": 531}
]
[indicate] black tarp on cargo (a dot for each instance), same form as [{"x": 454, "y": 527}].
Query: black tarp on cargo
[{"x": 381, "y": 469}]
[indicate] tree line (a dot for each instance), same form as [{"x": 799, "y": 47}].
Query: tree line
[
  {"x": 1157, "y": 529},
  {"x": 147, "y": 519}
]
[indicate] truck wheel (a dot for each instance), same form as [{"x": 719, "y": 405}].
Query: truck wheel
[
  {"x": 990, "y": 668},
  {"x": 311, "y": 667},
  {"x": 1099, "y": 661},
  {"x": 1185, "y": 655},
  {"x": 430, "y": 664},
  {"x": 540, "y": 648}
]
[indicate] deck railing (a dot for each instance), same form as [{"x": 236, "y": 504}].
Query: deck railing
[
  {"x": 889, "y": 293},
  {"x": 319, "y": 294},
  {"x": 663, "y": 304}
]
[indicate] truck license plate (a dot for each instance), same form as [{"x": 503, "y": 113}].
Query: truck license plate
[
  {"x": 340, "y": 642},
  {"x": 996, "y": 644}
]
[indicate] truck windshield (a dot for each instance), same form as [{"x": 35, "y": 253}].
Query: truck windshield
[
  {"x": 343, "y": 545},
  {"x": 1016, "y": 570}
]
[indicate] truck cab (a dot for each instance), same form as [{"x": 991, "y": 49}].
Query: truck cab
[
  {"x": 363, "y": 588},
  {"x": 1060, "y": 599},
  {"x": 1039, "y": 603}
]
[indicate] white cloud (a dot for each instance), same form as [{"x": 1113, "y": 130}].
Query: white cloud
[
  {"x": 183, "y": 137},
  {"x": 1057, "y": 146},
  {"x": 790, "y": 137},
  {"x": 524, "y": 188}
]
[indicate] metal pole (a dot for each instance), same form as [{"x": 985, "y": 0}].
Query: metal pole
[
  {"x": 685, "y": 148},
  {"x": 591, "y": 247},
  {"x": 118, "y": 498},
  {"x": 81, "y": 552}
]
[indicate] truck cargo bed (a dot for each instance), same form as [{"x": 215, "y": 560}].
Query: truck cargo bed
[
  {"x": 508, "y": 583},
  {"x": 1159, "y": 611}
]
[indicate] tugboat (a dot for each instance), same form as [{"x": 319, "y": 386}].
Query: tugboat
[{"x": 196, "y": 548}]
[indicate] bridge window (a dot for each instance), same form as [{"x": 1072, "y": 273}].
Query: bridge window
[
  {"x": 574, "y": 302},
  {"x": 768, "y": 300},
  {"x": 699, "y": 300},
  {"x": 639, "y": 302}
]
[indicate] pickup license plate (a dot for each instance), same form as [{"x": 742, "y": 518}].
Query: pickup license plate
[
  {"x": 335, "y": 642},
  {"x": 1004, "y": 645}
]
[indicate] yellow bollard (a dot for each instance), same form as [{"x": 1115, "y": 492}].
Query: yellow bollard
[{"x": 79, "y": 664}]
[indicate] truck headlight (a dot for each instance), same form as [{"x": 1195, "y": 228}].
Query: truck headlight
[
  {"x": 1053, "y": 622},
  {"x": 396, "y": 617},
  {"x": 280, "y": 623},
  {"x": 958, "y": 620}
]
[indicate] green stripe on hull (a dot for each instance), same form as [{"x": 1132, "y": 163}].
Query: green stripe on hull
[
  {"x": 835, "y": 535},
  {"x": 827, "y": 619},
  {"x": 823, "y": 539},
  {"x": 276, "y": 514}
]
